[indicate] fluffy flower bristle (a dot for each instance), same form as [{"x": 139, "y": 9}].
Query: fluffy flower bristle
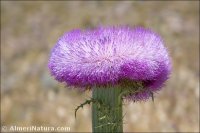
[{"x": 108, "y": 55}]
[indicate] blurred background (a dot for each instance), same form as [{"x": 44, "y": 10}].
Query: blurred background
[{"x": 30, "y": 96}]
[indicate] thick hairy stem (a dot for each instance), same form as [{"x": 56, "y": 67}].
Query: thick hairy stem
[{"x": 107, "y": 116}]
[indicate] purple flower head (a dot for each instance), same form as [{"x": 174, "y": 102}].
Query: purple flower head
[{"x": 109, "y": 55}]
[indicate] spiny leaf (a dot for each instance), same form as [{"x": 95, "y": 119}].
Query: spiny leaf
[
  {"x": 92, "y": 100},
  {"x": 81, "y": 105}
]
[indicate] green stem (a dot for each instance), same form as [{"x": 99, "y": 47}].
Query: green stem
[{"x": 107, "y": 116}]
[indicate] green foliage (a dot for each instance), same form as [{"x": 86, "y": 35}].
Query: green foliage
[{"x": 107, "y": 105}]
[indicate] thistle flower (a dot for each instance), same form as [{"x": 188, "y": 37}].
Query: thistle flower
[
  {"x": 111, "y": 55},
  {"x": 117, "y": 63}
]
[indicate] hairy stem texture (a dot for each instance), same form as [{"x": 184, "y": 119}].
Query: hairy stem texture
[{"x": 107, "y": 111}]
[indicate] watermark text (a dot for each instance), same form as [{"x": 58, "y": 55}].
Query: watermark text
[{"x": 34, "y": 129}]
